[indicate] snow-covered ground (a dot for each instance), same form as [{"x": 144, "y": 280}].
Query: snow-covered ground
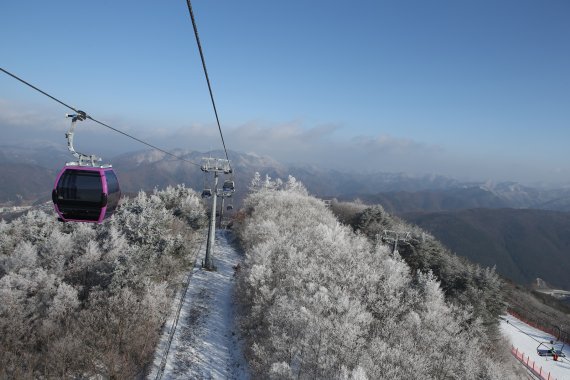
[
  {"x": 527, "y": 339},
  {"x": 205, "y": 343}
]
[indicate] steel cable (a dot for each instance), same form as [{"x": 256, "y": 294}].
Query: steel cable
[
  {"x": 97, "y": 121},
  {"x": 206, "y": 74}
]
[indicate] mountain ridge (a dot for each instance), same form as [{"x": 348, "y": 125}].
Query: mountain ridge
[
  {"x": 398, "y": 192},
  {"x": 523, "y": 244}
]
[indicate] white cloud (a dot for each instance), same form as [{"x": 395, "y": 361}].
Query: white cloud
[
  {"x": 32, "y": 118},
  {"x": 291, "y": 142},
  {"x": 393, "y": 144}
]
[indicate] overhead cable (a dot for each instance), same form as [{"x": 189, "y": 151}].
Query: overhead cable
[
  {"x": 206, "y": 74},
  {"x": 97, "y": 121}
]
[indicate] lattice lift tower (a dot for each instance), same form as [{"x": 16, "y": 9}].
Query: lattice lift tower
[
  {"x": 216, "y": 166},
  {"x": 394, "y": 237}
]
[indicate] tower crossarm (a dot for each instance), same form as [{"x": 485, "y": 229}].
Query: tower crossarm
[{"x": 220, "y": 165}]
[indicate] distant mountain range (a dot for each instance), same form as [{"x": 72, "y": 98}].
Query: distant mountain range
[
  {"x": 25, "y": 183},
  {"x": 523, "y": 244},
  {"x": 465, "y": 196},
  {"x": 28, "y": 176},
  {"x": 398, "y": 192}
]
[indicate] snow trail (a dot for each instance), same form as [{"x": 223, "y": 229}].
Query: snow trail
[
  {"x": 205, "y": 344},
  {"x": 526, "y": 339}
]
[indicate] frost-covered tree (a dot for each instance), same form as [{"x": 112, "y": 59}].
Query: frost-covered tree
[
  {"x": 321, "y": 301},
  {"x": 82, "y": 300},
  {"x": 462, "y": 282},
  {"x": 255, "y": 184},
  {"x": 293, "y": 185}
]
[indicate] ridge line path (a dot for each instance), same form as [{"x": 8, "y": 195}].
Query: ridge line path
[{"x": 205, "y": 344}]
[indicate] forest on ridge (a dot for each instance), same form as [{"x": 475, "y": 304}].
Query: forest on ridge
[{"x": 321, "y": 300}]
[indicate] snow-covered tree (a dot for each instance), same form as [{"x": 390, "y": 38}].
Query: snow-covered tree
[
  {"x": 321, "y": 301},
  {"x": 255, "y": 184},
  {"x": 293, "y": 185},
  {"x": 84, "y": 300}
]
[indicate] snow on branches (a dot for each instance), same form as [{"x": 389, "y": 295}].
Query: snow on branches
[
  {"x": 321, "y": 301},
  {"x": 82, "y": 300}
]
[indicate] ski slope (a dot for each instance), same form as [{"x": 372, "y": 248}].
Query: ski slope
[
  {"x": 205, "y": 343},
  {"x": 526, "y": 339}
]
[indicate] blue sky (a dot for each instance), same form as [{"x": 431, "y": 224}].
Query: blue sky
[{"x": 470, "y": 89}]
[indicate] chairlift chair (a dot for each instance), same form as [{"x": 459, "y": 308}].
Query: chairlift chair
[
  {"x": 551, "y": 348},
  {"x": 231, "y": 203},
  {"x": 206, "y": 193},
  {"x": 228, "y": 186}
]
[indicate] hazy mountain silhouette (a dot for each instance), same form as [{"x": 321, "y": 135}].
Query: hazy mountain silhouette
[
  {"x": 25, "y": 183},
  {"x": 523, "y": 244},
  {"x": 30, "y": 173},
  {"x": 467, "y": 196}
]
